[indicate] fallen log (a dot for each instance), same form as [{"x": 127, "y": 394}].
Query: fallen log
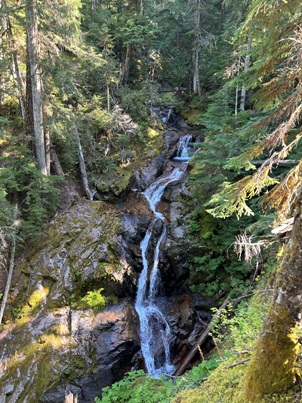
[{"x": 187, "y": 359}]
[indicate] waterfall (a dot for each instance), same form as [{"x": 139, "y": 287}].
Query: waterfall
[
  {"x": 183, "y": 149},
  {"x": 154, "y": 328}
]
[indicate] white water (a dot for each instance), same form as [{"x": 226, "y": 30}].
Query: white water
[
  {"x": 154, "y": 329},
  {"x": 183, "y": 148}
]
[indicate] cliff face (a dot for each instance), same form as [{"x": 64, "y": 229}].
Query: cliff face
[{"x": 74, "y": 292}]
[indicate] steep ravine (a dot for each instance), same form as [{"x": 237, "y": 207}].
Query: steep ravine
[{"x": 58, "y": 344}]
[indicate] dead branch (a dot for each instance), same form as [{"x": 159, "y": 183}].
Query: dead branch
[
  {"x": 244, "y": 246},
  {"x": 238, "y": 363}
]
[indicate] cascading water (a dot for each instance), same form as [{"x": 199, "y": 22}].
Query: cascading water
[
  {"x": 154, "y": 329},
  {"x": 183, "y": 149}
]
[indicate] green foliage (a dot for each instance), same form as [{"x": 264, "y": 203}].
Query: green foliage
[
  {"x": 236, "y": 330},
  {"x": 135, "y": 102},
  {"x": 235, "y": 333},
  {"x": 22, "y": 183},
  {"x": 240, "y": 331},
  {"x": 94, "y": 299},
  {"x": 204, "y": 369},
  {"x": 222, "y": 142},
  {"x": 137, "y": 387},
  {"x": 219, "y": 117},
  {"x": 215, "y": 267}
]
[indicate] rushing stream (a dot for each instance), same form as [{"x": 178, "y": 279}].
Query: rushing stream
[
  {"x": 183, "y": 149},
  {"x": 154, "y": 329}
]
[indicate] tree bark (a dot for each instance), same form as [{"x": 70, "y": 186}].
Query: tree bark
[
  {"x": 16, "y": 70},
  {"x": 247, "y": 62},
  {"x": 47, "y": 151},
  {"x": 196, "y": 81},
  {"x": 126, "y": 67},
  {"x": 71, "y": 398},
  {"x": 3, "y": 25},
  {"x": 34, "y": 84},
  {"x": 272, "y": 368},
  {"x": 83, "y": 170},
  {"x": 237, "y": 89},
  {"x": 56, "y": 165}
]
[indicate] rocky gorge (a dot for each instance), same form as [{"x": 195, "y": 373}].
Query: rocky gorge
[{"x": 61, "y": 342}]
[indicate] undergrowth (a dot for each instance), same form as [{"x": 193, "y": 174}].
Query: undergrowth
[
  {"x": 216, "y": 379},
  {"x": 220, "y": 378}
]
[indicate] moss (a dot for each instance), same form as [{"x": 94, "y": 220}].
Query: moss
[
  {"x": 36, "y": 361},
  {"x": 154, "y": 142},
  {"x": 226, "y": 385},
  {"x": 115, "y": 178},
  {"x": 70, "y": 250},
  {"x": 191, "y": 116},
  {"x": 272, "y": 368},
  {"x": 45, "y": 363},
  {"x": 76, "y": 366},
  {"x": 34, "y": 303},
  {"x": 277, "y": 356},
  {"x": 231, "y": 383},
  {"x": 221, "y": 386}
]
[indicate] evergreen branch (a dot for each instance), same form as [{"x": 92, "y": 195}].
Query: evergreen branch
[
  {"x": 281, "y": 195},
  {"x": 271, "y": 142},
  {"x": 232, "y": 199}
]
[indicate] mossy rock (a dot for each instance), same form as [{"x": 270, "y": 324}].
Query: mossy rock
[{"x": 82, "y": 250}]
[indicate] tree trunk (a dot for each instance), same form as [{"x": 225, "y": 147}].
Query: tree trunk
[
  {"x": 3, "y": 25},
  {"x": 196, "y": 81},
  {"x": 126, "y": 67},
  {"x": 237, "y": 89},
  {"x": 272, "y": 368},
  {"x": 11, "y": 265},
  {"x": 47, "y": 151},
  {"x": 247, "y": 62},
  {"x": 34, "y": 87},
  {"x": 56, "y": 165},
  {"x": 83, "y": 170},
  {"x": 108, "y": 97},
  {"x": 16, "y": 71}
]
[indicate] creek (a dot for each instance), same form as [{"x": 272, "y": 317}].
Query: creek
[{"x": 155, "y": 332}]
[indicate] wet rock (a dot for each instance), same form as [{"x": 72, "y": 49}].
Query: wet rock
[
  {"x": 142, "y": 179},
  {"x": 186, "y": 320}
]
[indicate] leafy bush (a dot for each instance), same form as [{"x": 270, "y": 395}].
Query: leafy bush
[
  {"x": 137, "y": 387},
  {"x": 94, "y": 299}
]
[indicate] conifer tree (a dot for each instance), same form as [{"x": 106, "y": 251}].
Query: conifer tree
[
  {"x": 34, "y": 84},
  {"x": 275, "y": 73}
]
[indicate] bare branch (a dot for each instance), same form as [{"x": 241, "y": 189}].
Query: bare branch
[{"x": 246, "y": 249}]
